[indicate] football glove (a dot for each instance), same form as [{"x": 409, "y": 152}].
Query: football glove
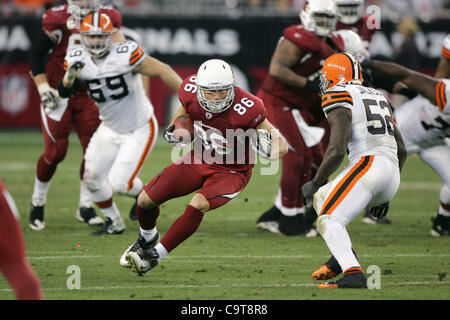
[
  {"x": 49, "y": 96},
  {"x": 73, "y": 71},
  {"x": 380, "y": 211},
  {"x": 308, "y": 190},
  {"x": 313, "y": 85},
  {"x": 169, "y": 137},
  {"x": 264, "y": 143}
]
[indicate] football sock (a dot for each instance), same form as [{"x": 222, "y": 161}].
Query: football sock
[
  {"x": 148, "y": 234},
  {"x": 85, "y": 196},
  {"x": 147, "y": 217},
  {"x": 109, "y": 209},
  {"x": 22, "y": 279},
  {"x": 182, "y": 228},
  {"x": 39, "y": 192},
  {"x": 338, "y": 241},
  {"x": 444, "y": 197},
  {"x": 162, "y": 251}
]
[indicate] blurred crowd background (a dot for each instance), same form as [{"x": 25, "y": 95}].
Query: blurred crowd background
[
  {"x": 423, "y": 10},
  {"x": 184, "y": 33}
]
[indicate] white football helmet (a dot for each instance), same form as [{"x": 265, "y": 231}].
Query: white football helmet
[
  {"x": 350, "y": 11},
  {"x": 353, "y": 44},
  {"x": 214, "y": 75},
  {"x": 81, "y": 8},
  {"x": 319, "y": 16}
]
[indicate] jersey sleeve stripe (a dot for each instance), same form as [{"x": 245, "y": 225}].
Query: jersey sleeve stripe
[
  {"x": 337, "y": 102},
  {"x": 440, "y": 95},
  {"x": 445, "y": 53},
  {"x": 136, "y": 55},
  {"x": 332, "y": 98},
  {"x": 335, "y": 94},
  {"x": 346, "y": 184},
  {"x": 443, "y": 99}
]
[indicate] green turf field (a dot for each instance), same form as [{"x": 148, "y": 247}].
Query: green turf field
[{"x": 228, "y": 258}]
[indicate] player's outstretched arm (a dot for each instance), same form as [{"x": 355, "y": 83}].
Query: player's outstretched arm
[
  {"x": 154, "y": 68},
  {"x": 278, "y": 145},
  {"x": 417, "y": 81},
  {"x": 36, "y": 57},
  {"x": 443, "y": 69}
]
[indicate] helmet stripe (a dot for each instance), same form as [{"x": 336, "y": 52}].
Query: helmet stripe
[
  {"x": 96, "y": 20},
  {"x": 353, "y": 62}
]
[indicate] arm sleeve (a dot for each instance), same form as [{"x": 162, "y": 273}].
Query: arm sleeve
[
  {"x": 65, "y": 92},
  {"x": 39, "y": 49}
]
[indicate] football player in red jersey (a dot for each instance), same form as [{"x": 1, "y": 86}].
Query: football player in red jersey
[
  {"x": 352, "y": 17},
  {"x": 13, "y": 261},
  {"x": 60, "y": 32},
  {"x": 217, "y": 169},
  {"x": 290, "y": 93}
]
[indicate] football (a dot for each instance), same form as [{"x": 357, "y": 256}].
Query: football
[{"x": 184, "y": 129}]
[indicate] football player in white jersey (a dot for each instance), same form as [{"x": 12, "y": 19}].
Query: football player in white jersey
[
  {"x": 361, "y": 122},
  {"x": 128, "y": 129},
  {"x": 427, "y": 135}
]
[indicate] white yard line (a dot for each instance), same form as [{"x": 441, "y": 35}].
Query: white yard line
[
  {"x": 208, "y": 257},
  {"x": 238, "y": 285}
]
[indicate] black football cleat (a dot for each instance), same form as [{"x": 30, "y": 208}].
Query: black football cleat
[
  {"x": 269, "y": 220},
  {"x": 356, "y": 280},
  {"x": 36, "y": 219},
  {"x": 441, "y": 226},
  {"x": 296, "y": 226},
  {"x": 133, "y": 212}
]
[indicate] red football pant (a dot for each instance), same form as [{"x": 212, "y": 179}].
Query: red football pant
[
  {"x": 82, "y": 115},
  {"x": 217, "y": 184},
  {"x": 13, "y": 261},
  {"x": 297, "y": 164}
]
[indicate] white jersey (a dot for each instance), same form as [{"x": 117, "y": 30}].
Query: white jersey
[
  {"x": 422, "y": 124},
  {"x": 372, "y": 123},
  {"x": 118, "y": 92}
]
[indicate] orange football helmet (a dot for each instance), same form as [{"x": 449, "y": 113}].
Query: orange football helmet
[
  {"x": 96, "y": 30},
  {"x": 340, "y": 68}
]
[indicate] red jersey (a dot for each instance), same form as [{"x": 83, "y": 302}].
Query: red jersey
[
  {"x": 58, "y": 21},
  {"x": 221, "y": 137},
  {"x": 315, "y": 51},
  {"x": 363, "y": 27}
]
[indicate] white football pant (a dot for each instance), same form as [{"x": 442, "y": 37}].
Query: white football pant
[
  {"x": 366, "y": 182},
  {"x": 438, "y": 158},
  {"x": 113, "y": 160}
]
